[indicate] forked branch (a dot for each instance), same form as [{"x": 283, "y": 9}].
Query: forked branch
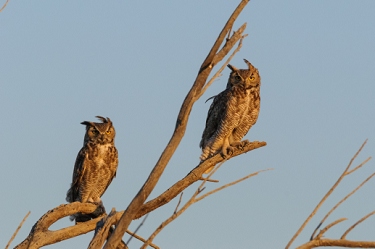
[
  {"x": 316, "y": 241},
  {"x": 40, "y": 234},
  {"x": 355, "y": 224},
  {"x": 137, "y": 208},
  {"x": 195, "y": 199},
  {"x": 181, "y": 123},
  {"x": 192, "y": 177},
  {"x": 340, "y": 202}
]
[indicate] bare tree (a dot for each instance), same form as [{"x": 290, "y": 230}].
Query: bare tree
[
  {"x": 40, "y": 235},
  {"x": 110, "y": 229}
]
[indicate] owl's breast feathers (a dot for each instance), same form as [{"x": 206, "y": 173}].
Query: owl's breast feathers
[{"x": 94, "y": 170}]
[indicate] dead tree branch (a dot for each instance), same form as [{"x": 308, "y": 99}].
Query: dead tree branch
[
  {"x": 322, "y": 232},
  {"x": 103, "y": 230},
  {"x": 40, "y": 235},
  {"x": 182, "y": 119},
  {"x": 338, "y": 243},
  {"x": 179, "y": 212},
  {"x": 18, "y": 228},
  {"x": 195, "y": 199},
  {"x": 192, "y": 177},
  {"x": 326, "y": 196},
  {"x": 317, "y": 241},
  {"x": 218, "y": 73},
  {"x": 230, "y": 184},
  {"x": 355, "y": 224},
  {"x": 136, "y": 230},
  {"x": 340, "y": 202},
  {"x": 5, "y": 4}
]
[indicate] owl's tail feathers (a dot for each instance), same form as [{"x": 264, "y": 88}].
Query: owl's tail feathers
[
  {"x": 205, "y": 153},
  {"x": 79, "y": 217}
]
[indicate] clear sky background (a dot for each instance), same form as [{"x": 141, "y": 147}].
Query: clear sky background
[{"x": 63, "y": 62}]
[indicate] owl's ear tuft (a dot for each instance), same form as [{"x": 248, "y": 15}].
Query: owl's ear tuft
[
  {"x": 234, "y": 69},
  {"x": 104, "y": 120},
  {"x": 101, "y": 119},
  {"x": 248, "y": 64},
  {"x": 87, "y": 123}
]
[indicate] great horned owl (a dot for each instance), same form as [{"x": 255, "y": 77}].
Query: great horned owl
[
  {"x": 95, "y": 166},
  {"x": 232, "y": 113}
]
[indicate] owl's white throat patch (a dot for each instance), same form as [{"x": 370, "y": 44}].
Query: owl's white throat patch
[{"x": 103, "y": 148}]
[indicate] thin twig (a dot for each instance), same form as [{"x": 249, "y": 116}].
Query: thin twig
[
  {"x": 5, "y": 4},
  {"x": 218, "y": 73},
  {"x": 324, "y": 198},
  {"x": 179, "y": 212},
  {"x": 208, "y": 180},
  {"x": 179, "y": 202},
  {"x": 339, "y": 203},
  {"x": 141, "y": 239},
  {"x": 363, "y": 163},
  {"x": 321, "y": 233},
  {"x": 355, "y": 224},
  {"x": 194, "y": 199},
  {"x": 230, "y": 184},
  {"x": 17, "y": 230},
  {"x": 136, "y": 230}
]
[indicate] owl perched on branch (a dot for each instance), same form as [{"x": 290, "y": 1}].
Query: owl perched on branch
[
  {"x": 95, "y": 166},
  {"x": 232, "y": 113}
]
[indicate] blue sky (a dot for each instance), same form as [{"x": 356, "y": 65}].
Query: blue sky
[{"x": 68, "y": 61}]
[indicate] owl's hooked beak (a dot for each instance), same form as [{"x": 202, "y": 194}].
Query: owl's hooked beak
[{"x": 102, "y": 139}]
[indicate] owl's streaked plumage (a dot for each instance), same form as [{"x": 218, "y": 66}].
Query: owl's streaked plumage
[
  {"x": 95, "y": 166},
  {"x": 232, "y": 113}
]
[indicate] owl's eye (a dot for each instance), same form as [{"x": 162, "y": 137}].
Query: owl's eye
[
  {"x": 94, "y": 131},
  {"x": 237, "y": 77},
  {"x": 252, "y": 77},
  {"x": 108, "y": 132}
]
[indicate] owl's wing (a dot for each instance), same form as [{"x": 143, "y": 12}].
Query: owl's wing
[
  {"x": 213, "y": 117},
  {"x": 78, "y": 172}
]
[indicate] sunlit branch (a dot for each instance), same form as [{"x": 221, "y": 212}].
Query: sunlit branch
[
  {"x": 17, "y": 230},
  {"x": 339, "y": 203},
  {"x": 355, "y": 224},
  {"x": 325, "y": 197}
]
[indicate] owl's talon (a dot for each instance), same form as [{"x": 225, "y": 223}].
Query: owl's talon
[
  {"x": 243, "y": 144},
  {"x": 227, "y": 152}
]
